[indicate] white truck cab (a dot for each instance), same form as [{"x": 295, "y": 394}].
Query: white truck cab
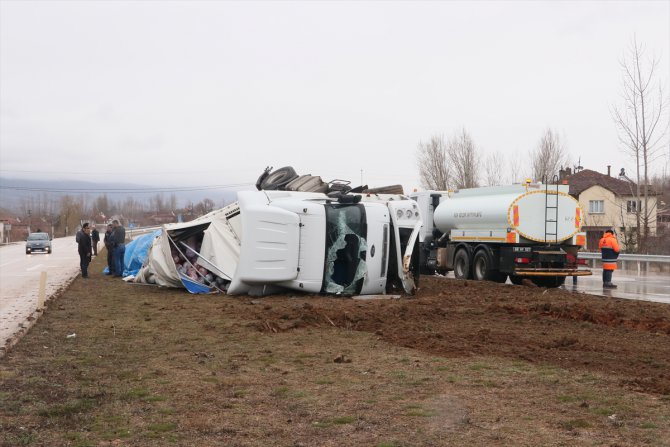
[{"x": 355, "y": 244}]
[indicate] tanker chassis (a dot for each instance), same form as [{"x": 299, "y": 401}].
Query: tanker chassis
[{"x": 530, "y": 231}]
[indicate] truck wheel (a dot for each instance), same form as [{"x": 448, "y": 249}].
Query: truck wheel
[
  {"x": 462, "y": 265},
  {"x": 516, "y": 279},
  {"x": 278, "y": 179},
  {"x": 498, "y": 276},
  {"x": 549, "y": 281},
  {"x": 482, "y": 266}
]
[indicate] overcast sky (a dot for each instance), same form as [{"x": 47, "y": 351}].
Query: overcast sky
[{"x": 177, "y": 93}]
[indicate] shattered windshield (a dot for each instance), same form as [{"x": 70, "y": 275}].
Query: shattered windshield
[{"x": 346, "y": 248}]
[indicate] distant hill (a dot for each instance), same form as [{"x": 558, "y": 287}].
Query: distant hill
[{"x": 15, "y": 192}]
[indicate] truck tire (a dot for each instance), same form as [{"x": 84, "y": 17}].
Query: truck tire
[
  {"x": 516, "y": 279},
  {"x": 278, "y": 179},
  {"x": 549, "y": 282},
  {"x": 498, "y": 276},
  {"x": 481, "y": 266},
  {"x": 462, "y": 265},
  {"x": 482, "y": 269}
]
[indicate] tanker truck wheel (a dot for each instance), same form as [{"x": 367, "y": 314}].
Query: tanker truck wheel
[
  {"x": 462, "y": 265},
  {"x": 499, "y": 277},
  {"x": 516, "y": 279},
  {"x": 549, "y": 281},
  {"x": 482, "y": 266}
]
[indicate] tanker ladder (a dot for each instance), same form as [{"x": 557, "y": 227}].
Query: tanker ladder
[{"x": 549, "y": 220}]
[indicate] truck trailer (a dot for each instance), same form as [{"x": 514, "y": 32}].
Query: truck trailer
[{"x": 525, "y": 231}]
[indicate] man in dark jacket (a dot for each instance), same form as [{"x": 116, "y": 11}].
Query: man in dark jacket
[
  {"x": 109, "y": 245},
  {"x": 84, "y": 249},
  {"x": 95, "y": 238},
  {"x": 119, "y": 236}
]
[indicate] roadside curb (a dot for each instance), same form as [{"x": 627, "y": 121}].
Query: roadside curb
[{"x": 29, "y": 322}]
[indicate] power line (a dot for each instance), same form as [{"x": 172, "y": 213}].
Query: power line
[
  {"x": 125, "y": 190},
  {"x": 98, "y": 172}
]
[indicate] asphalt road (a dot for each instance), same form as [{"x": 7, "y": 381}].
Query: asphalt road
[
  {"x": 631, "y": 285},
  {"x": 20, "y": 280}
]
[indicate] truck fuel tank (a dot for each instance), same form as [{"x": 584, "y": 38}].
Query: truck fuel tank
[{"x": 535, "y": 214}]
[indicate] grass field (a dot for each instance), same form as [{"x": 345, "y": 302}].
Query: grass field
[{"x": 153, "y": 367}]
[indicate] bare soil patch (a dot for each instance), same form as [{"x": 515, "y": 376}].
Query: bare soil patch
[{"x": 461, "y": 363}]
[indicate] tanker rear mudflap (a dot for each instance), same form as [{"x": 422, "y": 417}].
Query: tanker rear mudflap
[{"x": 441, "y": 256}]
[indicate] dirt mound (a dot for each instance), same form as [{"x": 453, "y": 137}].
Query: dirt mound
[{"x": 464, "y": 318}]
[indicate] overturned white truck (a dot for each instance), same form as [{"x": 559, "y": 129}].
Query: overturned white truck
[
  {"x": 355, "y": 244},
  {"x": 269, "y": 241}
]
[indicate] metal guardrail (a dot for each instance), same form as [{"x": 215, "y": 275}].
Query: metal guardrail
[{"x": 628, "y": 257}]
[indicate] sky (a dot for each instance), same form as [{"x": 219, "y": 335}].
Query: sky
[{"x": 173, "y": 93}]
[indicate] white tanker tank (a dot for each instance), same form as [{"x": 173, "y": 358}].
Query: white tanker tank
[
  {"x": 493, "y": 233},
  {"x": 535, "y": 213}
]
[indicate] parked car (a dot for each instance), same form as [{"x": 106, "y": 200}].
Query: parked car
[{"x": 38, "y": 242}]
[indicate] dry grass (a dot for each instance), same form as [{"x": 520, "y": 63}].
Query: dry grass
[{"x": 154, "y": 367}]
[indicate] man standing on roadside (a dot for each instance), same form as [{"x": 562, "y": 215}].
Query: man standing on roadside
[
  {"x": 119, "y": 237},
  {"x": 95, "y": 238},
  {"x": 609, "y": 252},
  {"x": 84, "y": 249},
  {"x": 109, "y": 245}
]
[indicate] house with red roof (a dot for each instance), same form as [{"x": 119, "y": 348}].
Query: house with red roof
[{"x": 610, "y": 203}]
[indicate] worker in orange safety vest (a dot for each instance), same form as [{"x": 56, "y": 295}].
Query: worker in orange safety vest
[{"x": 609, "y": 252}]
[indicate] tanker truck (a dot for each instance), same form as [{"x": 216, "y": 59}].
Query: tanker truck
[{"x": 524, "y": 231}]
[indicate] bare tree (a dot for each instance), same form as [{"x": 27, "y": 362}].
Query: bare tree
[
  {"x": 132, "y": 209},
  {"x": 204, "y": 206},
  {"x": 518, "y": 170},
  {"x": 495, "y": 172},
  {"x": 548, "y": 157},
  {"x": 464, "y": 160},
  {"x": 101, "y": 205},
  {"x": 642, "y": 123},
  {"x": 433, "y": 164},
  {"x": 157, "y": 202},
  {"x": 71, "y": 209}
]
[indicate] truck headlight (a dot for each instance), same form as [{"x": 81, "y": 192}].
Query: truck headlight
[{"x": 399, "y": 213}]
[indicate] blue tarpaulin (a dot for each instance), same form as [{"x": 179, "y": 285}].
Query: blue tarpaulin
[{"x": 137, "y": 252}]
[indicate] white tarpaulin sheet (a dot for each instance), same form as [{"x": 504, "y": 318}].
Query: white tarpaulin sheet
[{"x": 219, "y": 253}]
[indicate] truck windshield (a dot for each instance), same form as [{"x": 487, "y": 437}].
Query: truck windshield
[{"x": 346, "y": 248}]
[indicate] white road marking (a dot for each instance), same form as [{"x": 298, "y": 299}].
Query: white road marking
[{"x": 35, "y": 267}]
